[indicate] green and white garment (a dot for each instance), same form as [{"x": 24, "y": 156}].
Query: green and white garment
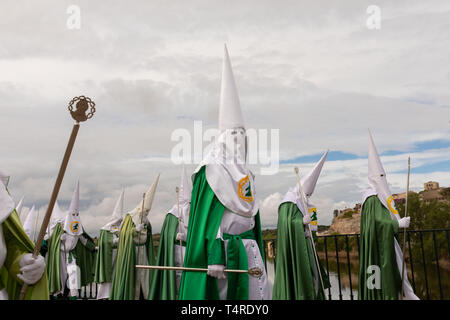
[
  {"x": 171, "y": 251},
  {"x": 135, "y": 248},
  {"x": 107, "y": 250},
  {"x": 224, "y": 223},
  {"x": 380, "y": 256}
]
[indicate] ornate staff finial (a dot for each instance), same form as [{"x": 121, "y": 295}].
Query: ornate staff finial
[{"x": 83, "y": 104}]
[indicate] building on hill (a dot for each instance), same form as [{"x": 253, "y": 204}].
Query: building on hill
[{"x": 432, "y": 191}]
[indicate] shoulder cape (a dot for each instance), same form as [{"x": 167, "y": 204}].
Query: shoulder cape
[
  {"x": 163, "y": 285},
  {"x": 18, "y": 244},
  {"x": 122, "y": 287},
  {"x": 204, "y": 220},
  {"x": 378, "y": 230},
  {"x": 295, "y": 268},
  {"x": 53, "y": 259},
  {"x": 103, "y": 260},
  {"x": 85, "y": 258}
]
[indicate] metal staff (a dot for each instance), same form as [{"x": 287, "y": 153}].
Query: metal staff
[
  {"x": 79, "y": 115},
  {"x": 254, "y": 272},
  {"x": 305, "y": 207},
  {"x": 404, "y": 231}
]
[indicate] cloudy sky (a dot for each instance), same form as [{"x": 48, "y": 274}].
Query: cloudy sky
[{"x": 317, "y": 71}]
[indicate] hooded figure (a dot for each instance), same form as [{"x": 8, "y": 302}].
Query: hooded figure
[
  {"x": 135, "y": 248},
  {"x": 224, "y": 224},
  {"x": 19, "y": 207},
  {"x": 380, "y": 256},
  {"x": 296, "y": 275},
  {"x": 172, "y": 245},
  {"x": 70, "y": 253},
  {"x": 107, "y": 250},
  {"x": 17, "y": 265}
]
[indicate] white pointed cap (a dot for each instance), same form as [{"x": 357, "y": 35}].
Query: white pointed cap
[
  {"x": 118, "y": 209},
  {"x": 376, "y": 169},
  {"x": 19, "y": 206},
  {"x": 72, "y": 224},
  {"x": 4, "y": 178},
  {"x": 230, "y": 114},
  {"x": 75, "y": 203},
  {"x": 28, "y": 225},
  {"x": 117, "y": 215},
  {"x": 137, "y": 214},
  {"x": 310, "y": 180},
  {"x": 57, "y": 214},
  {"x": 185, "y": 186}
]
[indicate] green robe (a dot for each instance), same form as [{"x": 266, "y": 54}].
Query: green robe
[
  {"x": 202, "y": 247},
  {"x": 295, "y": 267},
  {"x": 163, "y": 285},
  {"x": 83, "y": 254},
  {"x": 18, "y": 244},
  {"x": 122, "y": 287},
  {"x": 104, "y": 259},
  {"x": 378, "y": 230}
]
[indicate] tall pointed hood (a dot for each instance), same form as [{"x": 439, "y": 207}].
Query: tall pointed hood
[
  {"x": 230, "y": 114},
  {"x": 310, "y": 180},
  {"x": 117, "y": 216},
  {"x": 137, "y": 215},
  {"x": 185, "y": 186},
  {"x": 29, "y": 223},
  {"x": 6, "y": 202},
  {"x": 378, "y": 181},
  {"x": 72, "y": 224},
  {"x": 19, "y": 206},
  {"x": 58, "y": 216}
]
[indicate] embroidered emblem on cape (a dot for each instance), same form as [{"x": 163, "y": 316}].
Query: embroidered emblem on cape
[
  {"x": 391, "y": 207},
  {"x": 245, "y": 189},
  {"x": 74, "y": 226},
  {"x": 313, "y": 212}
]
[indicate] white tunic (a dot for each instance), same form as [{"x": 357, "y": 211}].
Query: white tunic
[
  {"x": 142, "y": 275},
  {"x": 258, "y": 287},
  {"x": 3, "y": 293}
]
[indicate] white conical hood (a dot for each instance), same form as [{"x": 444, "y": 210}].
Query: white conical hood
[
  {"x": 230, "y": 114},
  {"x": 185, "y": 186},
  {"x": 116, "y": 218},
  {"x": 4, "y": 178},
  {"x": 29, "y": 223},
  {"x": 310, "y": 180},
  {"x": 378, "y": 181},
  {"x": 6, "y": 202},
  {"x": 19, "y": 206},
  {"x": 137, "y": 215},
  {"x": 58, "y": 216},
  {"x": 72, "y": 224}
]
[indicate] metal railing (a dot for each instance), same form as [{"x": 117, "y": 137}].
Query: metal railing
[{"x": 426, "y": 256}]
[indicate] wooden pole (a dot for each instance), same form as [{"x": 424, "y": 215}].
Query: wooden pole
[
  {"x": 305, "y": 207},
  {"x": 177, "y": 190},
  {"x": 404, "y": 231},
  {"x": 255, "y": 272},
  {"x": 78, "y": 115}
]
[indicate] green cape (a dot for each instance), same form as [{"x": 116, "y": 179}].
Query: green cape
[
  {"x": 18, "y": 244},
  {"x": 104, "y": 260},
  {"x": 163, "y": 285},
  {"x": 295, "y": 268},
  {"x": 205, "y": 217},
  {"x": 122, "y": 287},
  {"x": 377, "y": 248},
  {"x": 83, "y": 254}
]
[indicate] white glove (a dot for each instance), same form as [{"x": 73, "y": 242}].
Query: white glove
[
  {"x": 404, "y": 222},
  {"x": 216, "y": 271},
  {"x": 31, "y": 269},
  {"x": 306, "y": 219},
  {"x": 115, "y": 240},
  {"x": 63, "y": 237},
  {"x": 140, "y": 227},
  {"x": 180, "y": 236}
]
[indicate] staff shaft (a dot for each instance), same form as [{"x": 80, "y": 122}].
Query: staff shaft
[
  {"x": 53, "y": 197},
  {"x": 193, "y": 269},
  {"x": 404, "y": 231}
]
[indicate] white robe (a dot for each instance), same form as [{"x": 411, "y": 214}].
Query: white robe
[
  {"x": 3, "y": 293},
  {"x": 69, "y": 271},
  {"x": 259, "y": 288},
  {"x": 142, "y": 275}
]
